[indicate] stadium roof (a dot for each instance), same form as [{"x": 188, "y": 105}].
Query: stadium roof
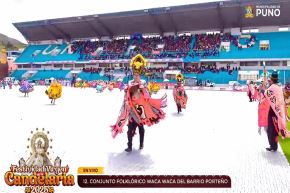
[{"x": 185, "y": 18}]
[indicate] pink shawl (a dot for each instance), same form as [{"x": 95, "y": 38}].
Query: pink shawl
[
  {"x": 256, "y": 94},
  {"x": 274, "y": 96},
  {"x": 180, "y": 99},
  {"x": 251, "y": 89},
  {"x": 263, "y": 110},
  {"x": 143, "y": 109}
]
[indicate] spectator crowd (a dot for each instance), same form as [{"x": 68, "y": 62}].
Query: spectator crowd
[{"x": 157, "y": 47}]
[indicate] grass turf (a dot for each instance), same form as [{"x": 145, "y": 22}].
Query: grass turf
[{"x": 285, "y": 143}]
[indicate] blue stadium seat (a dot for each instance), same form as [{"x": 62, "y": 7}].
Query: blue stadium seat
[
  {"x": 17, "y": 74},
  {"x": 46, "y": 74},
  {"x": 279, "y": 48},
  {"x": 91, "y": 76}
]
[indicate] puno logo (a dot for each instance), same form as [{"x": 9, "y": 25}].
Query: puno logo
[
  {"x": 39, "y": 173},
  {"x": 262, "y": 11},
  {"x": 268, "y": 10},
  {"x": 249, "y": 11}
]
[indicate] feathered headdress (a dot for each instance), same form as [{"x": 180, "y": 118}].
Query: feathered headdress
[
  {"x": 179, "y": 78},
  {"x": 138, "y": 64}
]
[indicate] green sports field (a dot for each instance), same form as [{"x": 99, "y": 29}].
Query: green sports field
[{"x": 285, "y": 143}]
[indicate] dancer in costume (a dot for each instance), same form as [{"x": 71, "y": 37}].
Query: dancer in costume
[
  {"x": 110, "y": 86},
  {"x": 256, "y": 93},
  {"x": 121, "y": 85},
  {"x": 25, "y": 87},
  {"x": 54, "y": 91},
  {"x": 3, "y": 84},
  {"x": 100, "y": 86},
  {"x": 81, "y": 84},
  {"x": 251, "y": 91},
  {"x": 287, "y": 92},
  {"x": 275, "y": 114},
  {"x": 138, "y": 107},
  {"x": 10, "y": 84},
  {"x": 85, "y": 84},
  {"x": 78, "y": 83},
  {"x": 73, "y": 81},
  {"x": 179, "y": 94},
  {"x": 287, "y": 99}
]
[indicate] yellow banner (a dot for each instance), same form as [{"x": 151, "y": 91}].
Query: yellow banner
[
  {"x": 91, "y": 170},
  {"x": 3, "y": 56}
]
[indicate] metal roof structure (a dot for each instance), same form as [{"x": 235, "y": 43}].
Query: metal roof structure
[{"x": 185, "y": 18}]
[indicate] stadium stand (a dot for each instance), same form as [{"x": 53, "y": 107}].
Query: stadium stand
[
  {"x": 196, "y": 47},
  {"x": 204, "y": 46},
  {"x": 170, "y": 38}
]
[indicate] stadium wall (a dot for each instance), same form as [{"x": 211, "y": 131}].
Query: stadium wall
[{"x": 269, "y": 29}]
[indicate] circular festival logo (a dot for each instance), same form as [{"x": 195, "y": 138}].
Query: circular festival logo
[{"x": 38, "y": 173}]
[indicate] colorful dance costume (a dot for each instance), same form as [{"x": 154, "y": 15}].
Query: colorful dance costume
[
  {"x": 121, "y": 86},
  {"x": 256, "y": 93},
  {"x": 25, "y": 87},
  {"x": 138, "y": 107},
  {"x": 3, "y": 84},
  {"x": 54, "y": 91},
  {"x": 263, "y": 108},
  {"x": 251, "y": 91},
  {"x": 287, "y": 93},
  {"x": 287, "y": 99},
  {"x": 275, "y": 114},
  {"x": 100, "y": 87},
  {"x": 179, "y": 94},
  {"x": 10, "y": 84},
  {"x": 110, "y": 86}
]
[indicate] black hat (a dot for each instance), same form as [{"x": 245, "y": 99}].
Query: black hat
[{"x": 274, "y": 76}]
